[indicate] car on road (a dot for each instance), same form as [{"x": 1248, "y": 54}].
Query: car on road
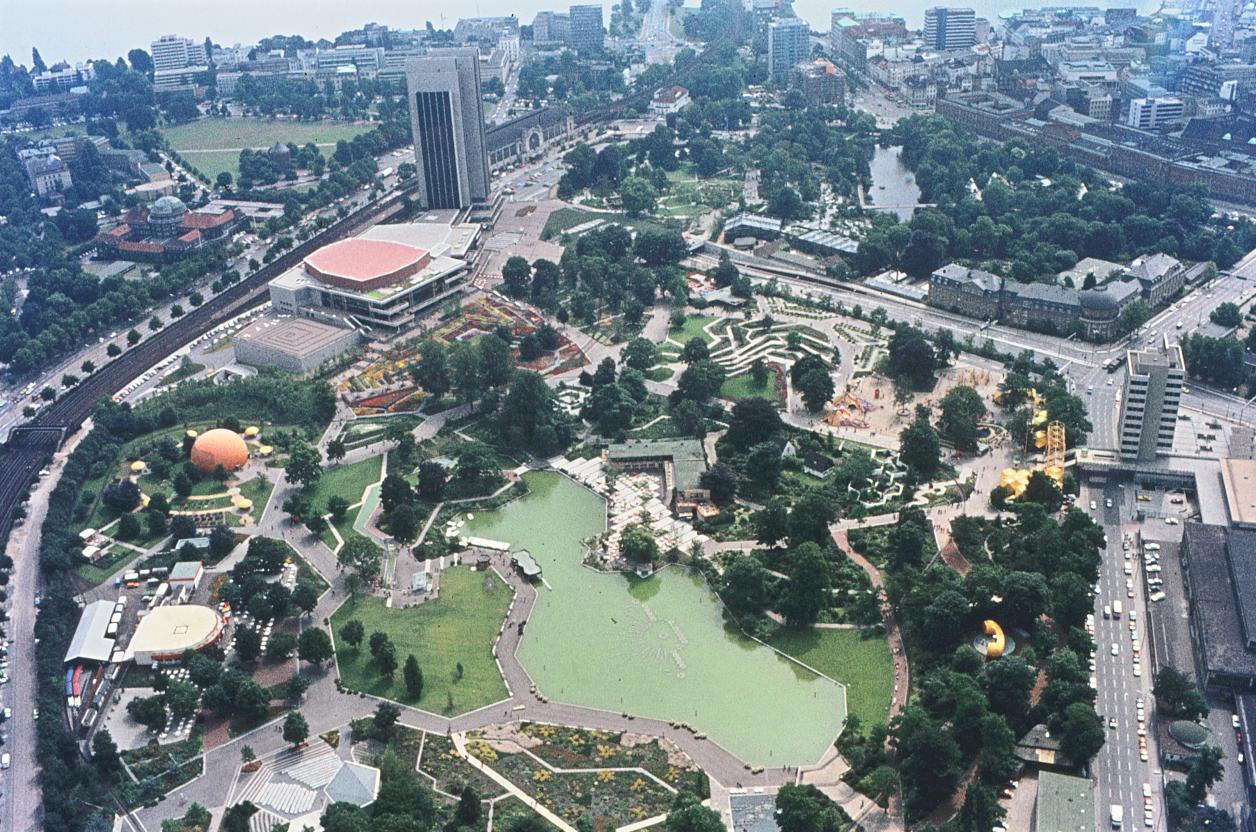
[
  {"x": 1107, "y": 503},
  {"x": 1112, "y": 722},
  {"x": 1093, "y": 505},
  {"x": 1234, "y": 720},
  {"x": 1116, "y": 649}
]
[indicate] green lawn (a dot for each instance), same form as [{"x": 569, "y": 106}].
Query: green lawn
[
  {"x": 348, "y": 481},
  {"x": 692, "y": 329},
  {"x": 107, "y": 566},
  {"x": 864, "y": 665},
  {"x": 458, "y": 626},
  {"x": 743, "y": 387},
  {"x": 565, "y": 218},
  {"x": 660, "y": 373},
  {"x": 213, "y": 144},
  {"x": 258, "y": 490}
]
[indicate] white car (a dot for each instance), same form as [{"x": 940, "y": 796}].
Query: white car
[
  {"x": 1116, "y": 649},
  {"x": 1093, "y": 506},
  {"x": 1234, "y": 719},
  {"x": 1108, "y": 502}
]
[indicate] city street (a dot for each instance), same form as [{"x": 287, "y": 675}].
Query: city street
[{"x": 1118, "y": 769}]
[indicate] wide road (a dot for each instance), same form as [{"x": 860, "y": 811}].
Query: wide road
[{"x": 1119, "y": 771}]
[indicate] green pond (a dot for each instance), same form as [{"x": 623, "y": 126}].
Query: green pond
[{"x": 656, "y": 647}]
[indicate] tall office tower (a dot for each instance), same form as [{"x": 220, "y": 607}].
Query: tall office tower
[
  {"x": 174, "y": 52},
  {"x": 789, "y": 44},
  {"x": 447, "y": 120},
  {"x": 587, "y": 34},
  {"x": 950, "y": 28},
  {"x": 1149, "y": 401}
]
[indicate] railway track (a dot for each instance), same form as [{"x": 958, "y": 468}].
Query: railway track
[{"x": 30, "y": 446}]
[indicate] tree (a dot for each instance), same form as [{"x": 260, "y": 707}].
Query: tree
[
  {"x": 248, "y": 644},
  {"x": 385, "y": 717},
  {"x": 689, "y": 815},
  {"x": 432, "y": 371},
  {"x": 721, "y": 481},
  {"x": 962, "y": 409},
  {"x": 804, "y": 808},
  {"x": 911, "y": 359},
  {"x": 128, "y": 527},
  {"x": 659, "y": 247},
  {"x": 771, "y": 524},
  {"x": 637, "y": 544},
  {"x": 295, "y": 728},
  {"x": 1133, "y": 316},
  {"x": 1081, "y": 734},
  {"x": 149, "y": 711},
  {"x": 517, "y": 277},
  {"x": 763, "y": 465},
  {"x": 182, "y": 485},
  {"x": 363, "y": 558},
  {"x": 810, "y": 518},
  {"x": 1226, "y": 314},
  {"x": 469, "y": 811},
  {"x": 431, "y": 481},
  {"x": 353, "y": 632},
  {"x": 337, "y": 507},
  {"x": 695, "y": 349},
  {"x": 638, "y": 196},
  {"x": 305, "y": 464},
  {"x": 929, "y": 760},
  {"x": 221, "y": 542},
  {"x": 336, "y": 450},
  {"x": 121, "y": 496},
  {"x": 806, "y": 594},
  {"x": 395, "y": 491},
  {"x": 919, "y": 446},
  {"x": 746, "y": 586},
  {"x": 1205, "y": 771},
  {"x": 1177, "y": 697},
  {"x": 816, "y": 387},
  {"x": 182, "y": 698},
  {"x": 412, "y": 674},
  {"x": 1042, "y": 489},
  {"x": 105, "y": 752},
  {"x": 640, "y": 354},
  {"x": 314, "y": 646},
  {"x": 387, "y": 659}
]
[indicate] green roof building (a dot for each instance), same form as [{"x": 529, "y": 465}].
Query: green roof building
[
  {"x": 1065, "y": 803},
  {"x": 682, "y": 462}
]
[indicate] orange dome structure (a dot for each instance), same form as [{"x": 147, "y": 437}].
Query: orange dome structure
[{"x": 219, "y": 447}]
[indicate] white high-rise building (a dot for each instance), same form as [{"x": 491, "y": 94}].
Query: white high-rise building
[
  {"x": 950, "y": 28},
  {"x": 1149, "y": 402},
  {"x": 789, "y": 44},
  {"x": 1153, "y": 113},
  {"x": 174, "y": 52}
]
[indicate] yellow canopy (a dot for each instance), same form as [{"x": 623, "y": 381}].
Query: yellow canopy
[{"x": 138, "y": 466}]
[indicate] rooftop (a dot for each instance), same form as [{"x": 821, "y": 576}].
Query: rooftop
[
  {"x": 186, "y": 570},
  {"x": 175, "y": 629},
  {"x": 89, "y": 641},
  {"x": 366, "y": 263},
  {"x": 297, "y": 337},
  {"x": 354, "y": 783},
  {"x": 1238, "y": 477},
  {"x": 1065, "y": 803},
  {"x": 1213, "y": 596}
]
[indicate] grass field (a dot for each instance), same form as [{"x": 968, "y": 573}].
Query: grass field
[
  {"x": 743, "y": 387},
  {"x": 348, "y": 481},
  {"x": 692, "y": 329},
  {"x": 458, "y": 626},
  {"x": 213, "y": 144},
  {"x": 565, "y": 218},
  {"x": 862, "y": 664}
]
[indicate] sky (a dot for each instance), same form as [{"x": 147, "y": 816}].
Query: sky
[{"x": 76, "y": 30}]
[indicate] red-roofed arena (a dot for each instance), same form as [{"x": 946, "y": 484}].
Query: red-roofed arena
[{"x": 363, "y": 265}]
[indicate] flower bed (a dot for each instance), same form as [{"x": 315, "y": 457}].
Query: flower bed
[
  {"x": 441, "y": 762},
  {"x": 564, "y": 747}
]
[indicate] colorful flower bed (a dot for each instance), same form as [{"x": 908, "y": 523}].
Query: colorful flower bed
[
  {"x": 441, "y": 762},
  {"x": 564, "y": 747}
]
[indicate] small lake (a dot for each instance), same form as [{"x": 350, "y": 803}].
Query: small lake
[
  {"x": 893, "y": 184},
  {"x": 656, "y": 647}
]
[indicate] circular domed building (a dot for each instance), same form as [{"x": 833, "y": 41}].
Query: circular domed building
[
  {"x": 1101, "y": 307},
  {"x": 165, "y": 215},
  {"x": 219, "y": 447}
]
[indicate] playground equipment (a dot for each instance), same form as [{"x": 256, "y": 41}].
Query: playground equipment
[
  {"x": 1053, "y": 465},
  {"x": 848, "y": 411},
  {"x": 998, "y": 642}
]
